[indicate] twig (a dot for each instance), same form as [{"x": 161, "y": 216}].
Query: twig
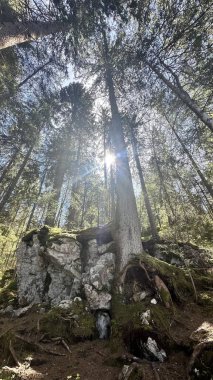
[
  {"x": 38, "y": 324},
  {"x": 37, "y": 345},
  {"x": 66, "y": 345},
  {"x": 12, "y": 351},
  {"x": 157, "y": 377},
  {"x": 5, "y": 332},
  {"x": 43, "y": 336},
  {"x": 101, "y": 354},
  {"x": 193, "y": 285}
]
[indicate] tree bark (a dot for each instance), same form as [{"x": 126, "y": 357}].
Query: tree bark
[
  {"x": 127, "y": 225},
  {"x": 194, "y": 164},
  {"x": 8, "y": 95},
  {"x": 57, "y": 185},
  {"x": 15, "y": 180},
  {"x": 73, "y": 215},
  {"x": 83, "y": 204},
  {"x": 166, "y": 194},
  {"x": 15, "y": 33},
  {"x": 184, "y": 96},
  {"x": 8, "y": 165},
  {"x": 36, "y": 203},
  {"x": 143, "y": 186}
]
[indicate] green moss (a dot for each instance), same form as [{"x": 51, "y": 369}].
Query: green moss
[
  {"x": 177, "y": 279},
  {"x": 43, "y": 235},
  {"x": 206, "y": 298},
  {"x": 58, "y": 238},
  {"x": 4, "y": 375},
  {"x": 8, "y": 275},
  {"x": 161, "y": 319},
  {"x": 165, "y": 297},
  {"x": 54, "y": 325},
  {"x": 48, "y": 235},
  {"x": 75, "y": 324},
  {"x": 28, "y": 238},
  {"x": 8, "y": 291},
  {"x": 125, "y": 315},
  {"x": 202, "y": 281}
]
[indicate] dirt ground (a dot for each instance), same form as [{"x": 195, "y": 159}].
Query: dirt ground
[{"x": 94, "y": 360}]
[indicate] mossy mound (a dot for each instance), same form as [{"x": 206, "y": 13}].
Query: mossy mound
[
  {"x": 180, "y": 253},
  {"x": 74, "y": 324},
  {"x": 177, "y": 279},
  {"x": 47, "y": 235},
  {"x": 128, "y": 317}
]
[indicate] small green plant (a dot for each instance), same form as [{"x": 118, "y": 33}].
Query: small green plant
[{"x": 73, "y": 377}]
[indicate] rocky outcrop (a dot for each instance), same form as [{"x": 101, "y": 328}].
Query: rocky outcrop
[
  {"x": 60, "y": 268},
  {"x": 53, "y": 272}
]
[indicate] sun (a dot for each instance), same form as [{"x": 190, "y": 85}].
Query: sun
[{"x": 109, "y": 159}]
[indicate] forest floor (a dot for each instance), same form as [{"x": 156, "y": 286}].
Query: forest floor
[{"x": 92, "y": 359}]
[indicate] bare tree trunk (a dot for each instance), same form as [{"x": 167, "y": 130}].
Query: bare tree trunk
[
  {"x": 35, "y": 203},
  {"x": 208, "y": 204},
  {"x": 58, "y": 217},
  {"x": 188, "y": 193},
  {"x": 57, "y": 185},
  {"x": 166, "y": 194},
  {"x": 127, "y": 225},
  {"x": 84, "y": 203},
  {"x": 8, "y": 166},
  {"x": 8, "y": 95},
  {"x": 143, "y": 186},
  {"x": 15, "y": 33},
  {"x": 184, "y": 96},
  {"x": 15, "y": 180},
  {"x": 112, "y": 206},
  {"x": 72, "y": 219},
  {"x": 194, "y": 164}
]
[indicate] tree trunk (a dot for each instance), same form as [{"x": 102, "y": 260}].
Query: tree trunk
[
  {"x": 35, "y": 203},
  {"x": 60, "y": 211},
  {"x": 8, "y": 166},
  {"x": 84, "y": 204},
  {"x": 184, "y": 96},
  {"x": 188, "y": 193},
  {"x": 112, "y": 195},
  {"x": 57, "y": 185},
  {"x": 15, "y": 180},
  {"x": 15, "y": 33},
  {"x": 8, "y": 95},
  {"x": 166, "y": 194},
  {"x": 127, "y": 225},
  {"x": 72, "y": 219},
  {"x": 195, "y": 166},
  {"x": 143, "y": 186}
]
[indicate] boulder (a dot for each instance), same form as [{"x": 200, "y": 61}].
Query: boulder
[
  {"x": 97, "y": 300},
  {"x": 102, "y": 273},
  {"x": 31, "y": 272},
  {"x": 54, "y": 271}
]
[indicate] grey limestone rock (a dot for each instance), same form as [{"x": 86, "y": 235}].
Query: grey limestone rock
[
  {"x": 97, "y": 300},
  {"x": 52, "y": 274}
]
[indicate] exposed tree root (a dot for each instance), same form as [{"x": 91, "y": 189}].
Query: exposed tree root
[
  {"x": 12, "y": 351},
  {"x": 39, "y": 346}
]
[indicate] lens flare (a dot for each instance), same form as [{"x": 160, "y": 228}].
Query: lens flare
[{"x": 109, "y": 159}]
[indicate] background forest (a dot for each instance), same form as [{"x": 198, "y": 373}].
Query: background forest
[{"x": 65, "y": 67}]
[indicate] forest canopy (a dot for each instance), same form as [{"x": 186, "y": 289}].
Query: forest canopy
[{"x": 106, "y": 115}]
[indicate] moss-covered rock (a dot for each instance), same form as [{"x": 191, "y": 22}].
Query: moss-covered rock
[{"x": 74, "y": 324}]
